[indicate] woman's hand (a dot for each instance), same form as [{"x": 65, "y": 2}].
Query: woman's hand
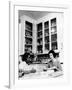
[{"x": 52, "y": 68}]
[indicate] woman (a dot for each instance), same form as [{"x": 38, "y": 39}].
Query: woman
[
  {"x": 54, "y": 64},
  {"x": 24, "y": 68}
]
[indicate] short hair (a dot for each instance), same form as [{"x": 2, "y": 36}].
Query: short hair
[{"x": 53, "y": 52}]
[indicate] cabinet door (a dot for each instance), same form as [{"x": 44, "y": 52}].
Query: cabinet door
[
  {"x": 46, "y": 36},
  {"x": 39, "y": 38},
  {"x": 53, "y": 28},
  {"x": 28, "y": 35}
]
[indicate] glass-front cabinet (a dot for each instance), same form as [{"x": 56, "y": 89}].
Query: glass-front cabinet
[
  {"x": 41, "y": 35},
  {"x": 50, "y": 35},
  {"x": 39, "y": 38},
  {"x": 28, "y": 35},
  {"x": 54, "y": 44},
  {"x": 46, "y": 35}
]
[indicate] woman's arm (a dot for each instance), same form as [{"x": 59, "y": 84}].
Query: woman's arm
[
  {"x": 57, "y": 65},
  {"x": 52, "y": 68}
]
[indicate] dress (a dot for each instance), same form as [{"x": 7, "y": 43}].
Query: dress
[
  {"x": 57, "y": 68},
  {"x": 24, "y": 66},
  {"x": 57, "y": 64}
]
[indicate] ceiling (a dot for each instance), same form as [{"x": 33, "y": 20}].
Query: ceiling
[{"x": 33, "y": 14}]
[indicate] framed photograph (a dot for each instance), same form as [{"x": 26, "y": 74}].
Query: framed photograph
[{"x": 38, "y": 45}]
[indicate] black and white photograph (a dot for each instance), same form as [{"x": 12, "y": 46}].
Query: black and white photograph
[
  {"x": 36, "y": 44},
  {"x": 40, "y": 44}
]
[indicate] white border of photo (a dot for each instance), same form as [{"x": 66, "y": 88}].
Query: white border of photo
[{"x": 13, "y": 26}]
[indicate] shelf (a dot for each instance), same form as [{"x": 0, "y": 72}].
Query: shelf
[
  {"x": 39, "y": 41},
  {"x": 28, "y": 30},
  {"x": 46, "y": 28},
  {"x": 39, "y": 34},
  {"x": 54, "y": 45},
  {"x": 47, "y": 43},
  {"x": 26, "y": 49},
  {"x": 28, "y": 34},
  {"x": 46, "y": 24},
  {"x": 39, "y": 45},
  {"x": 53, "y": 26},
  {"x": 53, "y": 41},
  {"x": 46, "y": 32},
  {"x": 53, "y": 37},
  {"x": 39, "y": 31},
  {"x": 28, "y": 37},
  {"x": 46, "y": 36},
  {"x": 28, "y": 44},
  {"x": 39, "y": 49},
  {"x": 47, "y": 46},
  {"x": 53, "y": 33},
  {"x": 39, "y": 37},
  {"x": 47, "y": 39},
  {"x": 53, "y": 22},
  {"x": 28, "y": 25},
  {"x": 39, "y": 27},
  {"x": 53, "y": 30}
]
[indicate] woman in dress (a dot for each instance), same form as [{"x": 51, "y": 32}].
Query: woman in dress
[{"x": 54, "y": 64}]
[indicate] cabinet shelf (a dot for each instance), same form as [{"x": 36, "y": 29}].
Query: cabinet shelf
[
  {"x": 46, "y": 28},
  {"x": 53, "y": 30},
  {"x": 46, "y": 33},
  {"x": 30, "y": 37},
  {"x": 54, "y": 45},
  {"x": 39, "y": 37},
  {"x": 39, "y": 31},
  {"x": 46, "y": 36},
  {"x": 47, "y": 39},
  {"x": 39, "y": 41},
  {"x": 53, "y": 22},
  {"x": 47, "y": 43},
  {"x": 39, "y": 45},
  {"x": 39, "y": 49},
  {"x": 47, "y": 46},
  {"x": 28, "y": 44},
  {"x": 28, "y": 25},
  {"x": 39, "y": 27},
  {"x": 28, "y": 30},
  {"x": 53, "y": 37},
  {"x": 39, "y": 34},
  {"x": 53, "y": 41},
  {"x": 46, "y": 24},
  {"x": 52, "y": 33},
  {"x": 54, "y": 25}
]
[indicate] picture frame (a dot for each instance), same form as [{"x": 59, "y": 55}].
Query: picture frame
[{"x": 13, "y": 41}]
